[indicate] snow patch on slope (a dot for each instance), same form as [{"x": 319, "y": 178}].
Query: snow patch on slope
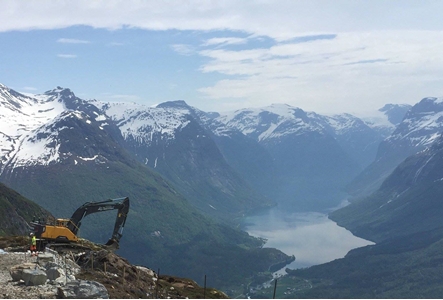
[{"x": 142, "y": 123}]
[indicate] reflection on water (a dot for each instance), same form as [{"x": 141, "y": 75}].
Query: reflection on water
[{"x": 310, "y": 236}]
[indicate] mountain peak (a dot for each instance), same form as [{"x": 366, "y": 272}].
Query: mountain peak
[
  {"x": 62, "y": 92},
  {"x": 395, "y": 112},
  {"x": 173, "y": 104}
]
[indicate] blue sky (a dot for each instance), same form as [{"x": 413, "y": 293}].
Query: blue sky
[{"x": 324, "y": 56}]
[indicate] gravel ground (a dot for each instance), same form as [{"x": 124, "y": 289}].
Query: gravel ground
[{"x": 18, "y": 290}]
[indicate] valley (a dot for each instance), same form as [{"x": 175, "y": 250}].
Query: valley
[{"x": 234, "y": 196}]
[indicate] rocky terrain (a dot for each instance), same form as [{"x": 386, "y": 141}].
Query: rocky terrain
[{"x": 94, "y": 273}]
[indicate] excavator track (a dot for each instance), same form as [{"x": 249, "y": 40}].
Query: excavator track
[{"x": 68, "y": 247}]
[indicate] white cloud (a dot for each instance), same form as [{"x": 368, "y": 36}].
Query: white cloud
[
  {"x": 30, "y": 88},
  {"x": 72, "y": 41},
  {"x": 116, "y": 44},
  {"x": 67, "y": 55},
  {"x": 184, "y": 49},
  {"x": 281, "y": 19},
  {"x": 225, "y": 41},
  {"x": 319, "y": 75},
  {"x": 327, "y": 56}
]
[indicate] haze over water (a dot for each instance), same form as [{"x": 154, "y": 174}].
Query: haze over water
[{"x": 310, "y": 236}]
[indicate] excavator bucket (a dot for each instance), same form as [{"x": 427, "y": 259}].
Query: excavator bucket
[{"x": 112, "y": 244}]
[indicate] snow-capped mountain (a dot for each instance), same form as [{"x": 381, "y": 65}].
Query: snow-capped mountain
[
  {"x": 35, "y": 127},
  {"x": 387, "y": 118},
  {"x": 268, "y": 124},
  {"x": 171, "y": 139},
  {"x": 312, "y": 155},
  {"x": 65, "y": 151},
  {"x": 282, "y": 152},
  {"x": 420, "y": 127},
  {"x": 59, "y": 128}
]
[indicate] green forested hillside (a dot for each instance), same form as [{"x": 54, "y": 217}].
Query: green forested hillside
[
  {"x": 407, "y": 267},
  {"x": 404, "y": 218},
  {"x": 16, "y": 212},
  {"x": 410, "y": 267},
  {"x": 162, "y": 230}
]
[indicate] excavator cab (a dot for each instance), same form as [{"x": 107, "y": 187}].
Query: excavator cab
[{"x": 65, "y": 230}]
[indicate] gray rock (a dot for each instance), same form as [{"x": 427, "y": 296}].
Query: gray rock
[
  {"x": 147, "y": 271},
  {"x": 16, "y": 271},
  {"x": 44, "y": 258},
  {"x": 34, "y": 277},
  {"x": 71, "y": 277},
  {"x": 83, "y": 289},
  {"x": 54, "y": 273}
]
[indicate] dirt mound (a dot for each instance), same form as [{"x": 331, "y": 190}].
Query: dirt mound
[{"x": 124, "y": 280}]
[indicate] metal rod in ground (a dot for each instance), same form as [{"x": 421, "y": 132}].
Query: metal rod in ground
[
  {"x": 124, "y": 274},
  {"x": 275, "y": 288},
  {"x": 204, "y": 289},
  {"x": 158, "y": 281},
  {"x": 66, "y": 272}
]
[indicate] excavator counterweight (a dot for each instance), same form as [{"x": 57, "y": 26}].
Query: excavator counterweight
[{"x": 65, "y": 230}]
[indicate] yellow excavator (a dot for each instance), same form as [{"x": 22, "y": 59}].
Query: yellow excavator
[{"x": 64, "y": 231}]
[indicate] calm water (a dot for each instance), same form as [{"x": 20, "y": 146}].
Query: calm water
[{"x": 310, "y": 236}]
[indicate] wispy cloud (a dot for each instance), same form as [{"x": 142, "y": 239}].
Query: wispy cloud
[
  {"x": 281, "y": 20},
  {"x": 184, "y": 49},
  {"x": 358, "y": 69},
  {"x": 67, "y": 55},
  {"x": 29, "y": 88},
  {"x": 116, "y": 44},
  {"x": 366, "y": 61},
  {"x": 225, "y": 41},
  {"x": 72, "y": 41}
]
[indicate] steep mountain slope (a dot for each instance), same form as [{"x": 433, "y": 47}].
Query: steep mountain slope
[
  {"x": 400, "y": 268},
  {"x": 170, "y": 139},
  {"x": 387, "y": 118},
  {"x": 419, "y": 128},
  {"x": 355, "y": 136},
  {"x": 408, "y": 201},
  {"x": 243, "y": 153},
  {"x": 404, "y": 218},
  {"x": 75, "y": 156},
  {"x": 308, "y": 162},
  {"x": 17, "y": 212}
]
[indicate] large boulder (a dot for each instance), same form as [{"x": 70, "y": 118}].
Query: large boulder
[
  {"x": 55, "y": 273},
  {"x": 34, "y": 277},
  {"x": 83, "y": 289},
  {"x": 44, "y": 258},
  {"x": 16, "y": 271},
  {"x": 148, "y": 272}
]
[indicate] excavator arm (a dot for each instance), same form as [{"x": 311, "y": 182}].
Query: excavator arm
[{"x": 122, "y": 204}]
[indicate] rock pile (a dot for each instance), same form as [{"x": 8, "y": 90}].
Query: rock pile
[
  {"x": 49, "y": 275},
  {"x": 94, "y": 273}
]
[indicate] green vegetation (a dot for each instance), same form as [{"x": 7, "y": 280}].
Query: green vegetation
[
  {"x": 163, "y": 231},
  {"x": 410, "y": 267},
  {"x": 16, "y": 212}
]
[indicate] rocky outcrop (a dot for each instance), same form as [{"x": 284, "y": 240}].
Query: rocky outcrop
[
  {"x": 82, "y": 289},
  {"x": 34, "y": 277},
  {"x": 100, "y": 274}
]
